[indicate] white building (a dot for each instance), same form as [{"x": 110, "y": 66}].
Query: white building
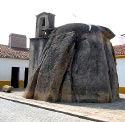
[
  {"x": 120, "y": 59},
  {"x": 122, "y": 39},
  {"x": 14, "y": 62}
]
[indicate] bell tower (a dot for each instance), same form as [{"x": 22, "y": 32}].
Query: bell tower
[{"x": 44, "y": 24}]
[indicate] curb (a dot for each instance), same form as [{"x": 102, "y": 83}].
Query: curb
[{"x": 52, "y": 109}]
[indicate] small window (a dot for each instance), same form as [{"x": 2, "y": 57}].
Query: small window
[{"x": 43, "y": 22}]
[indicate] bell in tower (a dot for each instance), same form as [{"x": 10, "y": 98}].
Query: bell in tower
[{"x": 44, "y": 24}]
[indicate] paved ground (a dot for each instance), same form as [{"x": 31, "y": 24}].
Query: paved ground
[
  {"x": 113, "y": 112},
  {"x": 16, "y": 112}
]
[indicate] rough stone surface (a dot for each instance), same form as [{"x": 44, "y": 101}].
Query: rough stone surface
[
  {"x": 76, "y": 65},
  {"x": 36, "y": 47},
  {"x": 17, "y": 40},
  {"x": 7, "y": 88}
]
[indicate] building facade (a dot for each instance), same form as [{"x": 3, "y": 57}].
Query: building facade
[
  {"x": 120, "y": 59},
  {"x": 122, "y": 39},
  {"x": 14, "y": 62}
]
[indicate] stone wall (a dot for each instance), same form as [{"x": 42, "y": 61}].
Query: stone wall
[
  {"x": 16, "y": 40},
  {"x": 36, "y": 47}
]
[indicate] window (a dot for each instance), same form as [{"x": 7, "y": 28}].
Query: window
[{"x": 43, "y": 22}]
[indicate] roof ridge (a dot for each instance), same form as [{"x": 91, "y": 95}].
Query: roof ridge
[
  {"x": 14, "y": 52},
  {"x": 119, "y": 45},
  {"x": 4, "y": 45}
]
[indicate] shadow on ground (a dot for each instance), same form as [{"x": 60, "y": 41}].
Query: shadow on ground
[{"x": 117, "y": 105}]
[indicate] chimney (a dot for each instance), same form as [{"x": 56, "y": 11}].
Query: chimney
[{"x": 17, "y": 40}]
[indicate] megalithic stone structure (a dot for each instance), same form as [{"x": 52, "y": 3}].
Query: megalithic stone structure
[{"x": 73, "y": 64}]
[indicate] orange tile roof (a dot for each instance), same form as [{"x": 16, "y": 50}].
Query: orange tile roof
[
  {"x": 22, "y": 53},
  {"x": 119, "y": 50},
  {"x": 14, "y": 53}
]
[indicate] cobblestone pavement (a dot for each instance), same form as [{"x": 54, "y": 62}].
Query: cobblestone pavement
[
  {"x": 16, "y": 112},
  {"x": 113, "y": 112}
]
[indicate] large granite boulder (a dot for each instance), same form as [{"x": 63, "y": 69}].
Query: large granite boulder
[{"x": 77, "y": 65}]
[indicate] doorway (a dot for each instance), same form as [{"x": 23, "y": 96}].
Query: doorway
[
  {"x": 15, "y": 77},
  {"x": 26, "y": 77}
]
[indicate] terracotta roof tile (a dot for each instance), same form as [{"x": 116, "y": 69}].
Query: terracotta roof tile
[
  {"x": 22, "y": 53},
  {"x": 119, "y": 50},
  {"x": 14, "y": 53}
]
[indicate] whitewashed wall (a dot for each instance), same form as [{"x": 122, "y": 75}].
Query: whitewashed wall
[
  {"x": 122, "y": 40},
  {"x": 121, "y": 71},
  {"x": 6, "y": 65}
]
